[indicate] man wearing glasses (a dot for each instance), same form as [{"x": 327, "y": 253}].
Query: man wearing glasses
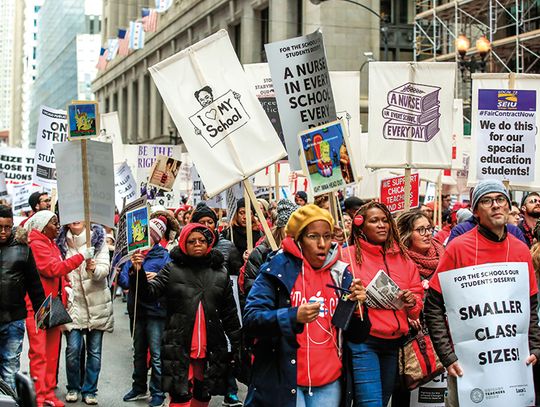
[
  {"x": 489, "y": 242},
  {"x": 38, "y": 201},
  {"x": 530, "y": 208}
]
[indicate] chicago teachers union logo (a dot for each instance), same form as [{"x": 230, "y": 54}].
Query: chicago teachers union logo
[
  {"x": 507, "y": 100},
  {"x": 218, "y": 117},
  {"x": 477, "y": 395}
]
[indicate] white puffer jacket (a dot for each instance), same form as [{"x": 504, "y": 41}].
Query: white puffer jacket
[{"x": 89, "y": 299}]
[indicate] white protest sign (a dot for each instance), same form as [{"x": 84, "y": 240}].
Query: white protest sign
[
  {"x": 70, "y": 182},
  {"x": 20, "y": 194},
  {"x": 110, "y": 132},
  {"x": 267, "y": 177},
  {"x": 457, "y": 136},
  {"x": 515, "y": 159},
  {"x": 410, "y": 114},
  {"x": 17, "y": 164},
  {"x": 199, "y": 193},
  {"x": 488, "y": 308},
  {"x": 430, "y": 394},
  {"x": 302, "y": 85},
  {"x": 346, "y": 89},
  {"x": 52, "y": 129},
  {"x": 146, "y": 156},
  {"x": 505, "y": 129},
  {"x": 3, "y": 186},
  {"x": 125, "y": 185},
  {"x": 225, "y": 129}
]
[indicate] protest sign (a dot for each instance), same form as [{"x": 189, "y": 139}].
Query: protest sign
[
  {"x": 223, "y": 125},
  {"x": 488, "y": 308},
  {"x": 121, "y": 255},
  {"x": 83, "y": 120},
  {"x": 110, "y": 132},
  {"x": 20, "y": 195},
  {"x": 164, "y": 172},
  {"x": 70, "y": 182},
  {"x": 457, "y": 136},
  {"x": 326, "y": 158},
  {"x": 17, "y": 164},
  {"x": 137, "y": 230},
  {"x": 125, "y": 185},
  {"x": 512, "y": 159},
  {"x": 505, "y": 130},
  {"x": 430, "y": 394},
  {"x": 52, "y": 129},
  {"x": 43, "y": 312},
  {"x": 410, "y": 114},
  {"x": 146, "y": 155},
  {"x": 199, "y": 193},
  {"x": 383, "y": 292},
  {"x": 393, "y": 192},
  {"x": 302, "y": 86},
  {"x": 346, "y": 89},
  {"x": 261, "y": 82},
  {"x": 3, "y": 186},
  {"x": 267, "y": 176}
]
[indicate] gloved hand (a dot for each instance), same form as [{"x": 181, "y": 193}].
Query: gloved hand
[{"x": 88, "y": 252}]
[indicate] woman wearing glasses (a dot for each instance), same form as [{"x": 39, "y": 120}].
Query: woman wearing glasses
[
  {"x": 200, "y": 311},
  {"x": 298, "y": 350},
  {"x": 376, "y": 253}
]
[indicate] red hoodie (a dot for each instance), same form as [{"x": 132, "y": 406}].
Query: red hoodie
[
  {"x": 49, "y": 264},
  {"x": 318, "y": 359},
  {"x": 387, "y": 323}
]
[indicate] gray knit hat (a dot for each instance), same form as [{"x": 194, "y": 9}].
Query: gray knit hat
[
  {"x": 284, "y": 208},
  {"x": 488, "y": 186}
]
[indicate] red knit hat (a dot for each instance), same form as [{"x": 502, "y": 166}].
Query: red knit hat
[{"x": 196, "y": 227}]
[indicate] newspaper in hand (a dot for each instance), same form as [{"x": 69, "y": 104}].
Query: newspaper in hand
[{"x": 383, "y": 292}]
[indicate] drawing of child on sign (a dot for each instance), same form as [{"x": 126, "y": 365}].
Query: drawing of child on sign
[{"x": 218, "y": 117}]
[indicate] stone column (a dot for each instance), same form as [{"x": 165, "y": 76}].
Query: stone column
[
  {"x": 131, "y": 112},
  {"x": 142, "y": 109},
  {"x": 122, "y": 114},
  {"x": 154, "y": 112},
  {"x": 250, "y": 35}
]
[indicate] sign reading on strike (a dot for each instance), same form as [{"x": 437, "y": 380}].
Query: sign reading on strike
[{"x": 393, "y": 192}]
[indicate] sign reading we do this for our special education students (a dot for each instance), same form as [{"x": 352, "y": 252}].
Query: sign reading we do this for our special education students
[
  {"x": 506, "y": 134},
  {"x": 488, "y": 309}
]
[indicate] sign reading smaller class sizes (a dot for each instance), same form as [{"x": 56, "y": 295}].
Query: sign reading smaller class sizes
[{"x": 393, "y": 192}]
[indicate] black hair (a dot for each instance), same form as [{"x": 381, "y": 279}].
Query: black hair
[
  {"x": 353, "y": 202},
  {"x": 206, "y": 89},
  {"x": 6, "y": 212}
]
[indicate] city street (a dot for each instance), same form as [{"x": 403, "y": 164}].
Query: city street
[{"x": 115, "y": 377}]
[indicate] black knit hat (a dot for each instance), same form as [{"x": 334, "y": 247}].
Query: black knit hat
[{"x": 202, "y": 210}]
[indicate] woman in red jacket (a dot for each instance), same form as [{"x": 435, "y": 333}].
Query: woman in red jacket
[
  {"x": 44, "y": 349},
  {"x": 376, "y": 248}
]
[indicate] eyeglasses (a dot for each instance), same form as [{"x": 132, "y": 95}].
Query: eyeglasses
[
  {"x": 487, "y": 202},
  {"x": 6, "y": 227},
  {"x": 533, "y": 201},
  {"x": 195, "y": 241},
  {"x": 423, "y": 230},
  {"x": 45, "y": 200},
  {"x": 315, "y": 237}
]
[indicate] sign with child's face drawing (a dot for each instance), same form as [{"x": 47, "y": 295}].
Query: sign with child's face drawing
[
  {"x": 227, "y": 133},
  {"x": 410, "y": 114}
]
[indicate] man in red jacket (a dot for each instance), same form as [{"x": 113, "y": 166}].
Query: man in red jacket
[{"x": 489, "y": 242}]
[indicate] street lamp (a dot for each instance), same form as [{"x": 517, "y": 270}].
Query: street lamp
[
  {"x": 483, "y": 46},
  {"x": 384, "y": 27}
]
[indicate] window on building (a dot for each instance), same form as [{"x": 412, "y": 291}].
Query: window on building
[
  {"x": 91, "y": 25},
  {"x": 264, "y": 15},
  {"x": 237, "y": 39},
  {"x": 35, "y": 36},
  {"x": 299, "y": 17},
  {"x": 34, "y": 52}
]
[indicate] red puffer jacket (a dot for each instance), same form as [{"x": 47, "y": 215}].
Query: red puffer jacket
[
  {"x": 387, "y": 323},
  {"x": 49, "y": 264}
]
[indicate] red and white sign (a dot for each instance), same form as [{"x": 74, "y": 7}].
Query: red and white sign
[{"x": 393, "y": 192}]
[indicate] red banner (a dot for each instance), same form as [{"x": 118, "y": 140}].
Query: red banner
[{"x": 393, "y": 192}]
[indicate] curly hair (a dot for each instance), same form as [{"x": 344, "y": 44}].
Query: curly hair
[
  {"x": 405, "y": 224},
  {"x": 393, "y": 235}
]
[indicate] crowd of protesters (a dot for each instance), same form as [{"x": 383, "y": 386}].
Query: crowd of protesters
[{"x": 207, "y": 310}]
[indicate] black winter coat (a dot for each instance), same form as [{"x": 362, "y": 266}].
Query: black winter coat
[
  {"x": 253, "y": 264},
  {"x": 18, "y": 276},
  {"x": 185, "y": 282}
]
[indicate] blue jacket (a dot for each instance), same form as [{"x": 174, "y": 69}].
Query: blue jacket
[
  {"x": 155, "y": 260},
  {"x": 270, "y": 318},
  {"x": 470, "y": 223}
]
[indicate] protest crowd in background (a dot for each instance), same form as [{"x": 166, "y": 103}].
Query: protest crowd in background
[{"x": 311, "y": 281}]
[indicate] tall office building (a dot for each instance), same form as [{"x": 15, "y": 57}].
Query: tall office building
[
  {"x": 7, "y": 25},
  {"x": 67, "y": 51}
]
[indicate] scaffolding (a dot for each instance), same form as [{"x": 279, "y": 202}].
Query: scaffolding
[{"x": 512, "y": 27}]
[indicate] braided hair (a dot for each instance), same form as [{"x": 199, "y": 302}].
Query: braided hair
[{"x": 393, "y": 235}]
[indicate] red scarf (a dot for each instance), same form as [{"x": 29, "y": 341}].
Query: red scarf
[{"x": 428, "y": 263}]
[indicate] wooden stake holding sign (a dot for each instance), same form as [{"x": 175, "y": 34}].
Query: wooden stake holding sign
[
  {"x": 83, "y": 123},
  {"x": 249, "y": 230},
  {"x": 248, "y": 189},
  {"x": 276, "y": 180}
]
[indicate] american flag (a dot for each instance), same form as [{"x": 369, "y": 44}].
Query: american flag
[
  {"x": 149, "y": 19},
  {"x": 123, "y": 42},
  {"x": 163, "y": 5},
  {"x": 102, "y": 60}
]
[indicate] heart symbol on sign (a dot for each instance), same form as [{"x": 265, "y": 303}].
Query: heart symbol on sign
[{"x": 211, "y": 114}]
